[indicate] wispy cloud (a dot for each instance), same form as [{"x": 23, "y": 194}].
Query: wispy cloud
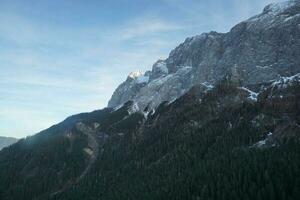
[
  {"x": 50, "y": 70},
  {"x": 146, "y": 26}
]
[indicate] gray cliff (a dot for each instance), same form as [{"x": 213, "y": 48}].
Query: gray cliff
[{"x": 262, "y": 48}]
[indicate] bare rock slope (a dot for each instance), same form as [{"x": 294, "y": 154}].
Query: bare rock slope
[{"x": 262, "y": 48}]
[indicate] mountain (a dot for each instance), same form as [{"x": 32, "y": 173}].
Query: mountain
[
  {"x": 6, "y": 141},
  {"x": 262, "y": 48},
  {"x": 222, "y": 142},
  {"x": 230, "y": 138}
]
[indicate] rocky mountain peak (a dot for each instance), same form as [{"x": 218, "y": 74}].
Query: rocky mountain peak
[
  {"x": 138, "y": 77},
  {"x": 262, "y": 48},
  {"x": 135, "y": 74},
  {"x": 278, "y": 8}
]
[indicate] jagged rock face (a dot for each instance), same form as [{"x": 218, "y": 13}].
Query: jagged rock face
[
  {"x": 128, "y": 89},
  {"x": 201, "y": 52},
  {"x": 159, "y": 69},
  {"x": 265, "y": 46},
  {"x": 261, "y": 48},
  {"x": 166, "y": 88}
]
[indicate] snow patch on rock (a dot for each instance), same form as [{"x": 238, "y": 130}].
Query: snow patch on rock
[
  {"x": 133, "y": 108},
  {"x": 284, "y": 82},
  {"x": 208, "y": 85},
  {"x": 292, "y": 17},
  {"x": 139, "y": 77},
  {"x": 135, "y": 74},
  {"x": 264, "y": 142},
  {"x": 117, "y": 107},
  {"x": 252, "y": 95}
]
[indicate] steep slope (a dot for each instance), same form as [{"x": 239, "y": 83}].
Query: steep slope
[
  {"x": 221, "y": 128},
  {"x": 53, "y": 160},
  {"x": 262, "y": 48},
  {"x": 202, "y": 145},
  {"x": 6, "y": 141},
  {"x": 208, "y": 144}
]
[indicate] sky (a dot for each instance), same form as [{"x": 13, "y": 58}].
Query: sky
[{"x": 62, "y": 57}]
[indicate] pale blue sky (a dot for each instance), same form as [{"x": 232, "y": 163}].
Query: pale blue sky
[{"x": 62, "y": 57}]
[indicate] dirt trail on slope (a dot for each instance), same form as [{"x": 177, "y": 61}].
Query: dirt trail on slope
[
  {"x": 93, "y": 144},
  {"x": 94, "y": 152}
]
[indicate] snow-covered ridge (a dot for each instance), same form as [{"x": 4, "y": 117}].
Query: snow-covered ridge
[
  {"x": 135, "y": 74},
  {"x": 139, "y": 77}
]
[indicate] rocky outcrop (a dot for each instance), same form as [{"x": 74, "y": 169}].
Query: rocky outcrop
[
  {"x": 128, "y": 89},
  {"x": 262, "y": 48}
]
